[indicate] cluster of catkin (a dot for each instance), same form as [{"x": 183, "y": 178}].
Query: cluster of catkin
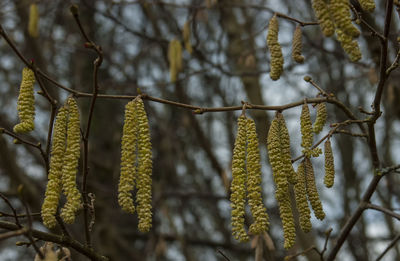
[
  {"x": 246, "y": 173},
  {"x": 136, "y": 164},
  {"x": 26, "y": 103},
  {"x": 278, "y": 144},
  {"x": 64, "y": 158},
  {"x": 276, "y": 64},
  {"x": 334, "y": 16}
]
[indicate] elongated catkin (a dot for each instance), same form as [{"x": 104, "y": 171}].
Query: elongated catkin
[
  {"x": 71, "y": 160},
  {"x": 275, "y": 49},
  {"x": 33, "y": 25},
  {"x": 254, "y": 181},
  {"x": 26, "y": 102},
  {"x": 329, "y": 165},
  {"x": 321, "y": 118},
  {"x": 145, "y": 163},
  {"x": 297, "y": 45},
  {"x": 128, "y": 159},
  {"x": 278, "y": 144},
  {"x": 53, "y": 189},
  {"x": 238, "y": 185}
]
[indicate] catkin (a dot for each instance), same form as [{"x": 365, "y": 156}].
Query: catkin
[
  {"x": 367, "y": 5},
  {"x": 238, "y": 185},
  {"x": 341, "y": 15},
  {"x": 323, "y": 14},
  {"x": 175, "y": 59},
  {"x": 275, "y": 49},
  {"x": 53, "y": 189},
  {"x": 306, "y": 130},
  {"x": 33, "y": 28},
  {"x": 329, "y": 165},
  {"x": 254, "y": 181},
  {"x": 312, "y": 192},
  {"x": 297, "y": 45},
  {"x": 186, "y": 37},
  {"x": 71, "y": 160},
  {"x": 143, "y": 196},
  {"x": 128, "y": 157},
  {"x": 321, "y": 118},
  {"x": 278, "y": 144},
  {"x": 26, "y": 102},
  {"x": 301, "y": 199},
  {"x": 349, "y": 45}
]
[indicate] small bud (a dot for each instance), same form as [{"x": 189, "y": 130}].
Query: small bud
[
  {"x": 74, "y": 9},
  {"x": 15, "y": 141},
  {"x": 307, "y": 78}
]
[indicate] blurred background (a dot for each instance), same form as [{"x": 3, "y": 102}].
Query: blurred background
[{"x": 192, "y": 153}]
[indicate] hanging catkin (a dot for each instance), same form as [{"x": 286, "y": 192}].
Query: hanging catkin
[
  {"x": 53, "y": 189},
  {"x": 33, "y": 25},
  {"x": 238, "y": 185},
  {"x": 186, "y": 37},
  {"x": 143, "y": 196},
  {"x": 329, "y": 165},
  {"x": 275, "y": 49},
  {"x": 297, "y": 45},
  {"x": 321, "y": 118},
  {"x": 26, "y": 102},
  {"x": 323, "y": 14},
  {"x": 128, "y": 159},
  {"x": 175, "y": 59},
  {"x": 301, "y": 199},
  {"x": 367, "y": 5},
  {"x": 340, "y": 10},
  {"x": 71, "y": 160},
  {"x": 254, "y": 181},
  {"x": 278, "y": 144},
  {"x": 312, "y": 192}
]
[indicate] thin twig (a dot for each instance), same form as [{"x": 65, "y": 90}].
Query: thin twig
[
  {"x": 383, "y": 210},
  {"x": 391, "y": 244},
  {"x": 222, "y": 254},
  {"x": 13, "y": 233}
]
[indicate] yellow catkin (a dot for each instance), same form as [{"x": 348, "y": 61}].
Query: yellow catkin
[
  {"x": 186, "y": 37},
  {"x": 278, "y": 144},
  {"x": 367, "y": 5},
  {"x": 329, "y": 165},
  {"x": 297, "y": 45},
  {"x": 301, "y": 199},
  {"x": 145, "y": 163},
  {"x": 33, "y": 25},
  {"x": 340, "y": 10},
  {"x": 323, "y": 14},
  {"x": 128, "y": 158},
  {"x": 254, "y": 197},
  {"x": 349, "y": 45},
  {"x": 307, "y": 135},
  {"x": 175, "y": 59},
  {"x": 275, "y": 49},
  {"x": 26, "y": 102},
  {"x": 312, "y": 192},
  {"x": 238, "y": 185},
  {"x": 53, "y": 189},
  {"x": 71, "y": 160},
  {"x": 321, "y": 118}
]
